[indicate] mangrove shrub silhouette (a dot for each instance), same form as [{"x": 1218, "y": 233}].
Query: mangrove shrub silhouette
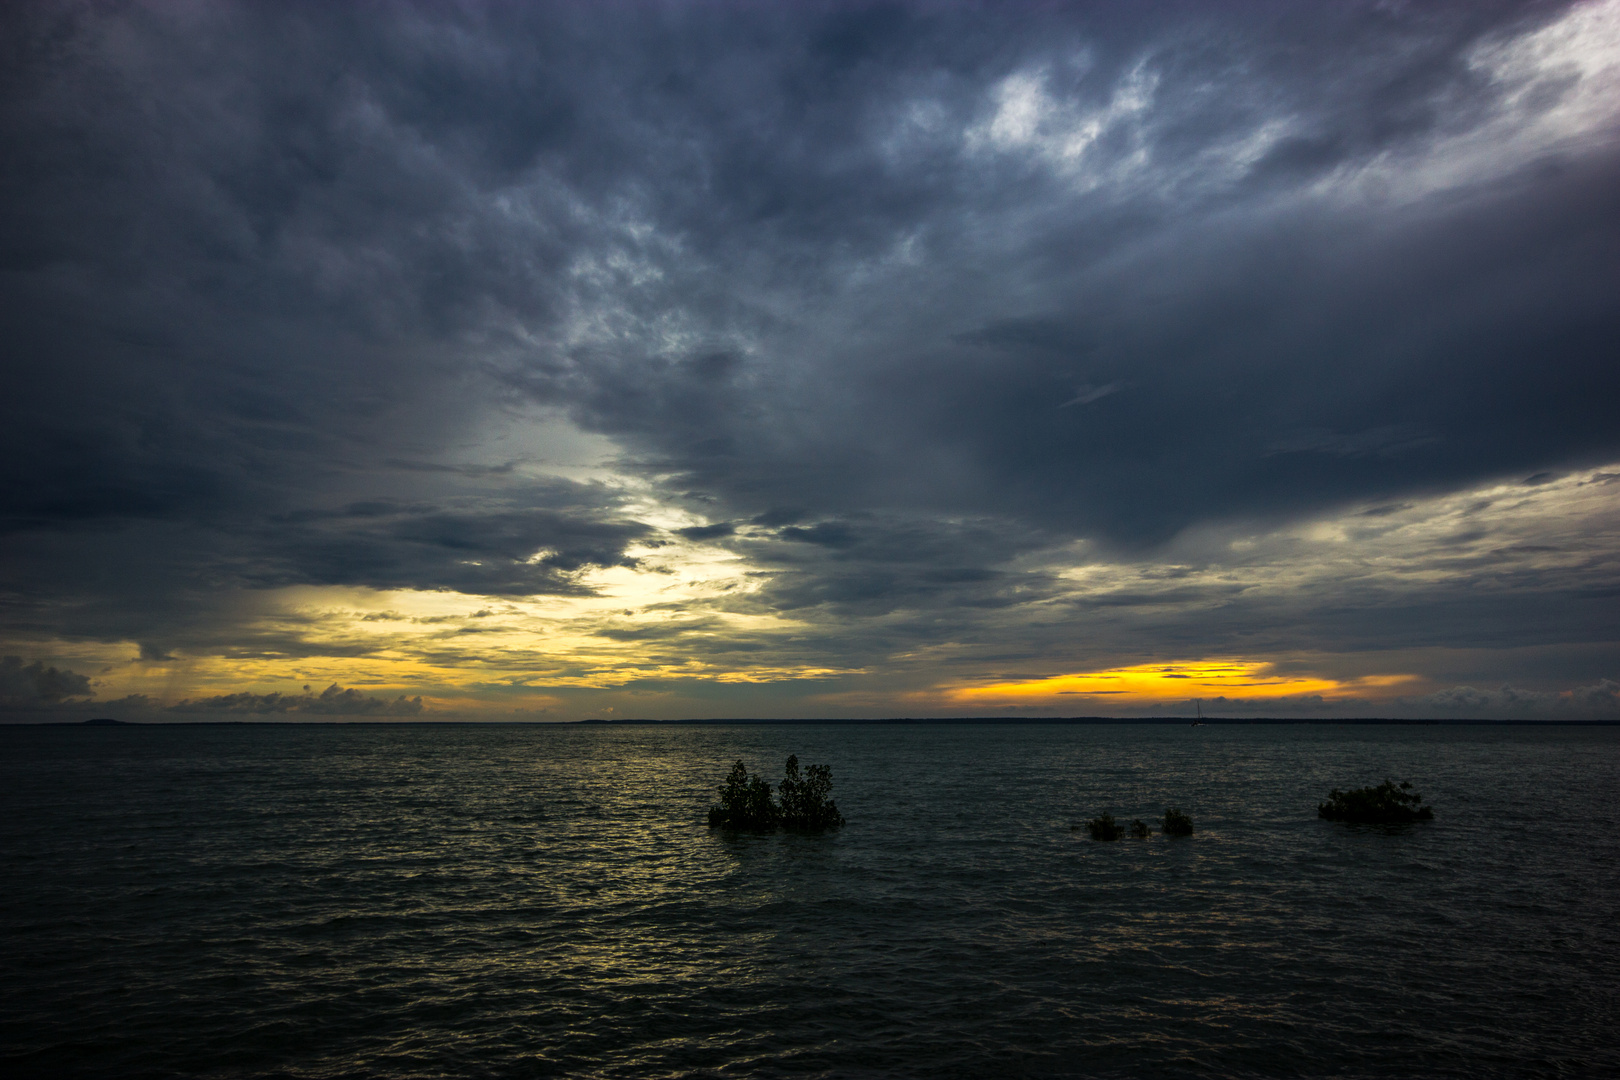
[
  {"x": 1386, "y": 804},
  {"x": 805, "y": 806},
  {"x": 1176, "y": 823},
  {"x": 1104, "y": 828},
  {"x": 746, "y": 803},
  {"x": 1139, "y": 829}
]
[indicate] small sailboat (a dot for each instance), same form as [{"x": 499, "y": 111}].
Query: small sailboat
[{"x": 1200, "y": 721}]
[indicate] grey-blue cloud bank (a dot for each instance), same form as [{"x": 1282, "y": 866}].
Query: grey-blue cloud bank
[{"x": 914, "y": 311}]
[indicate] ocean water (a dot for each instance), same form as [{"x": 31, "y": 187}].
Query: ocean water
[{"x": 428, "y": 901}]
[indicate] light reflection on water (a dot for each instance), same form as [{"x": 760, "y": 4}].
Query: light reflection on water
[{"x": 416, "y": 901}]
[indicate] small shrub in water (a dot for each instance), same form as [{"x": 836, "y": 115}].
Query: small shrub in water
[
  {"x": 1104, "y": 828},
  {"x": 746, "y": 803},
  {"x": 1176, "y": 823},
  {"x": 1386, "y": 804},
  {"x": 805, "y": 806},
  {"x": 1139, "y": 829}
]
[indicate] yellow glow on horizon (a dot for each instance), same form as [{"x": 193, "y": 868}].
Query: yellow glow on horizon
[
  {"x": 676, "y": 617},
  {"x": 691, "y": 626},
  {"x": 1181, "y": 681}
]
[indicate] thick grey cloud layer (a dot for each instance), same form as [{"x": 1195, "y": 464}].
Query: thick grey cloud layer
[
  {"x": 34, "y": 690},
  {"x": 890, "y": 295},
  {"x": 35, "y": 684},
  {"x": 333, "y": 701}
]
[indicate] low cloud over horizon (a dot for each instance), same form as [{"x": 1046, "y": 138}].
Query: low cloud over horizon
[{"x": 556, "y": 361}]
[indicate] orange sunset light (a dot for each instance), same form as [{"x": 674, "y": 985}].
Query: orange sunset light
[{"x": 1177, "y": 682}]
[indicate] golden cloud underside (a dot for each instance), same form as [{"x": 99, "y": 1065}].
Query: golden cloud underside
[
  {"x": 1146, "y": 683},
  {"x": 692, "y": 617}
]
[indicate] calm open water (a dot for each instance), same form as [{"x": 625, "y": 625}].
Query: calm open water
[{"x": 425, "y": 901}]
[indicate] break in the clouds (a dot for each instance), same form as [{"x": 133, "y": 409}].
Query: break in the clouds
[{"x": 817, "y": 359}]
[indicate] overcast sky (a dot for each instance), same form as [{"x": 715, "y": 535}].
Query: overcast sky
[{"x": 548, "y": 361}]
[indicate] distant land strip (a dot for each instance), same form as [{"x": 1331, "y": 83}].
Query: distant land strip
[{"x": 1001, "y": 721}]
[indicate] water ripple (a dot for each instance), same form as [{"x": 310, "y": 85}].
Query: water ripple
[{"x": 424, "y": 901}]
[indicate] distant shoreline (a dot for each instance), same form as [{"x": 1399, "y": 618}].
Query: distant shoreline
[{"x": 997, "y": 721}]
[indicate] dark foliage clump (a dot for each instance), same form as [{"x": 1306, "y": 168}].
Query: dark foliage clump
[
  {"x": 1176, "y": 823},
  {"x": 1139, "y": 829},
  {"x": 1104, "y": 828},
  {"x": 746, "y": 803},
  {"x": 1386, "y": 804},
  {"x": 805, "y": 806}
]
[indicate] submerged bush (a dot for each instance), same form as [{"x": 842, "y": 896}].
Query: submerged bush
[
  {"x": 805, "y": 806},
  {"x": 745, "y": 801},
  {"x": 1386, "y": 804},
  {"x": 1176, "y": 823},
  {"x": 1139, "y": 829},
  {"x": 1104, "y": 828}
]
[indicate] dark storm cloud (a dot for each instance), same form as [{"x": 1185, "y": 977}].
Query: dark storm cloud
[
  {"x": 1601, "y": 699},
  {"x": 707, "y": 532},
  {"x": 1354, "y": 357},
  {"x": 910, "y": 290},
  {"x": 35, "y": 688},
  {"x": 1239, "y": 350},
  {"x": 173, "y": 586},
  {"x": 488, "y": 549},
  {"x": 880, "y": 563},
  {"x": 36, "y": 684},
  {"x": 333, "y": 701}
]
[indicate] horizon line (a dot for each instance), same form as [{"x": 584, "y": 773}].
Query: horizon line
[{"x": 845, "y": 721}]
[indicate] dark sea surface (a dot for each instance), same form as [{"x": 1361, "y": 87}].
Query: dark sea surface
[{"x": 426, "y": 901}]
